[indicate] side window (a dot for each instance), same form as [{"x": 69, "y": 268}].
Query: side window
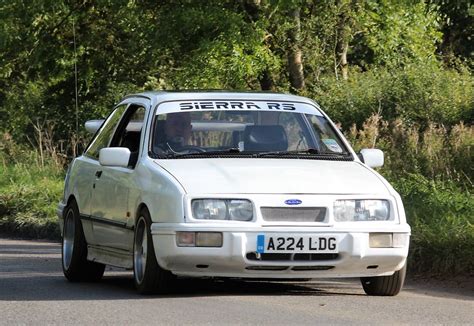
[
  {"x": 104, "y": 135},
  {"x": 129, "y": 131}
]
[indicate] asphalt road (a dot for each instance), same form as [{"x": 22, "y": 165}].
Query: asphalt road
[{"x": 34, "y": 291}]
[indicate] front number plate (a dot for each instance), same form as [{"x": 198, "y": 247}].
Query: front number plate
[{"x": 272, "y": 243}]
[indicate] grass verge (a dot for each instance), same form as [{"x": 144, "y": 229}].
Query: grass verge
[{"x": 28, "y": 199}]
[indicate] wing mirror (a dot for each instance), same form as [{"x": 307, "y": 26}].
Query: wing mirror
[
  {"x": 114, "y": 156},
  {"x": 372, "y": 157},
  {"x": 93, "y": 125}
]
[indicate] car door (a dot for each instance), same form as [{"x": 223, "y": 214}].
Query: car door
[
  {"x": 87, "y": 167},
  {"x": 111, "y": 215}
]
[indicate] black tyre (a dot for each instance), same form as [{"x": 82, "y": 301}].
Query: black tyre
[
  {"x": 384, "y": 285},
  {"x": 148, "y": 276},
  {"x": 76, "y": 267}
]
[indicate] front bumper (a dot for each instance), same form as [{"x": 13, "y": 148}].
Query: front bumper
[
  {"x": 60, "y": 210},
  {"x": 236, "y": 257},
  {"x": 60, "y": 213}
]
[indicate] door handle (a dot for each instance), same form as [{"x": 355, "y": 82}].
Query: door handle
[{"x": 98, "y": 174}]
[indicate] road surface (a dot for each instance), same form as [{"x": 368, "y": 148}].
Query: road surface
[{"x": 34, "y": 291}]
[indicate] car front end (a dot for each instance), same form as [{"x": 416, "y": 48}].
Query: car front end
[{"x": 340, "y": 229}]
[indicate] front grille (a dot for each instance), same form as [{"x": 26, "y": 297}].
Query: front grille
[
  {"x": 266, "y": 268},
  {"x": 311, "y": 268},
  {"x": 293, "y": 214},
  {"x": 290, "y": 257}
]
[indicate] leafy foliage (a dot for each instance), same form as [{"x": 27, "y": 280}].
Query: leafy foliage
[
  {"x": 127, "y": 46},
  {"x": 397, "y": 32}
]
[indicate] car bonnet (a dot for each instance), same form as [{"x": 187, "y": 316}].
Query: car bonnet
[{"x": 273, "y": 176}]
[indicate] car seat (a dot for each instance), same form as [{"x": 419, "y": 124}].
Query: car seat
[
  {"x": 131, "y": 140},
  {"x": 265, "y": 138}
]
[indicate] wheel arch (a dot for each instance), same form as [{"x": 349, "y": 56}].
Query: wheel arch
[
  {"x": 140, "y": 207},
  {"x": 70, "y": 199}
]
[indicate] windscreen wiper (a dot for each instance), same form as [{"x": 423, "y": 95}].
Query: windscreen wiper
[
  {"x": 232, "y": 150},
  {"x": 293, "y": 152},
  {"x": 308, "y": 151}
]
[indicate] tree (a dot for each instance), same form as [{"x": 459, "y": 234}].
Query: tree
[
  {"x": 346, "y": 20},
  {"x": 126, "y": 46},
  {"x": 295, "y": 62},
  {"x": 457, "y": 26}
]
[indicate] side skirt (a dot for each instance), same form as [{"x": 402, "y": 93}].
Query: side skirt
[{"x": 110, "y": 256}]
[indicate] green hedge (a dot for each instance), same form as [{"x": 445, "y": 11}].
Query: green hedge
[
  {"x": 415, "y": 93},
  {"x": 441, "y": 215}
]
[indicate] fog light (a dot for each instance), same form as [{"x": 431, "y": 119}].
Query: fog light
[
  {"x": 208, "y": 239},
  {"x": 380, "y": 240},
  {"x": 185, "y": 239},
  {"x": 199, "y": 239},
  {"x": 400, "y": 240}
]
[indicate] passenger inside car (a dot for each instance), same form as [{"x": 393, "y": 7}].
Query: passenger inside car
[{"x": 174, "y": 132}]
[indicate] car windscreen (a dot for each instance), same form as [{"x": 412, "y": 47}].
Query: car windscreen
[{"x": 241, "y": 132}]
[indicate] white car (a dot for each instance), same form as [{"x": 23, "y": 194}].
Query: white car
[{"x": 227, "y": 184}]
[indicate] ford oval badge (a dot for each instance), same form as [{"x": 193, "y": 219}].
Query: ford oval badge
[{"x": 293, "y": 201}]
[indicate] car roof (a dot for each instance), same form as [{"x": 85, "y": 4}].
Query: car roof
[{"x": 163, "y": 96}]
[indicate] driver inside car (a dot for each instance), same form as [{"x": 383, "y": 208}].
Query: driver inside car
[{"x": 176, "y": 131}]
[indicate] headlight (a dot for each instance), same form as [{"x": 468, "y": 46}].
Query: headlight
[
  {"x": 209, "y": 209},
  {"x": 222, "y": 209},
  {"x": 362, "y": 210}
]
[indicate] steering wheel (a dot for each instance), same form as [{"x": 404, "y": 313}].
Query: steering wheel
[{"x": 191, "y": 149}]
